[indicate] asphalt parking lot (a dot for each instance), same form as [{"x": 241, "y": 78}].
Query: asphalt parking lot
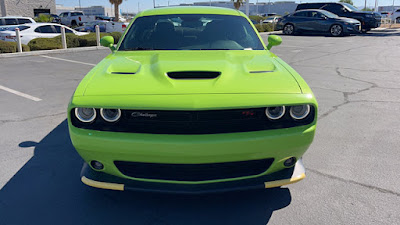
[{"x": 352, "y": 166}]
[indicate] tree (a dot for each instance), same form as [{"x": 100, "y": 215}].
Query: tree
[
  {"x": 347, "y": 1},
  {"x": 238, "y": 3},
  {"x": 116, "y": 4}
]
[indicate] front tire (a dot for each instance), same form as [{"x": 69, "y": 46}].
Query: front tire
[
  {"x": 336, "y": 30},
  {"x": 398, "y": 20},
  {"x": 288, "y": 29}
]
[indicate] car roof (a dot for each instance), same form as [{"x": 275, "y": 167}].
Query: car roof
[
  {"x": 307, "y": 3},
  {"x": 15, "y": 17},
  {"x": 190, "y": 10},
  {"x": 318, "y": 10}
]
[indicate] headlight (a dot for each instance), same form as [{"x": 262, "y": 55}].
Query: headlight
[
  {"x": 110, "y": 115},
  {"x": 275, "y": 113},
  {"x": 299, "y": 112},
  {"x": 85, "y": 115}
]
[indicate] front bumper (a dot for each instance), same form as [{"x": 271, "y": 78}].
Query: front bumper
[
  {"x": 105, "y": 181},
  {"x": 353, "y": 28},
  {"x": 109, "y": 147}
]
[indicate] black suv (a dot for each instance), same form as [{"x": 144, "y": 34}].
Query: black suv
[{"x": 368, "y": 20}]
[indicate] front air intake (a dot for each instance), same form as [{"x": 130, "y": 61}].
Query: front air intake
[{"x": 193, "y": 75}]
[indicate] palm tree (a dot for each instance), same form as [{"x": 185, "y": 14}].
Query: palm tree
[
  {"x": 116, "y": 4},
  {"x": 238, "y": 3}
]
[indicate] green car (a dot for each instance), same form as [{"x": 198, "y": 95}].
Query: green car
[{"x": 191, "y": 100}]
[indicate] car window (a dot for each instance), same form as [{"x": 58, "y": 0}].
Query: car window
[
  {"x": 47, "y": 29},
  {"x": 191, "y": 32},
  {"x": 11, "y": 21},
  {"x": 58, "y": 29},
  {"x": 76, "y": 14},
  {"x": 309, "y": 6},
  {"x": 315, "y": 14},
  {"x": 302, "y": 14},
  {"x": 334, "y": 8},
  {"x": 1, "y": 22},
  {"x": 22, "y": 21}
]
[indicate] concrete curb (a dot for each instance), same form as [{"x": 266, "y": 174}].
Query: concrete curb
[
  {"x": 55, "y": 51},
  {"x": 272, "y": 32}
]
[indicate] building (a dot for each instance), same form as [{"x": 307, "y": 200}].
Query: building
[
  {"x": 29, "y": 8},
  {"x": 279, "y": 8},
  {"x": 388, "y": 8},
  {"x": 90, "y": 11}
]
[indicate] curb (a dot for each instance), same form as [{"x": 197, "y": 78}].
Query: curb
[
  {"x": 272, "y": 32},
  {"x": 44, "y": 52}
]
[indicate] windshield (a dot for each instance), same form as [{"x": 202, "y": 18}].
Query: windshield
[
  {"x": 12, "y": 28},
  {"x": 350, "y": 7},
  {"x": 330, "y": 15},
  {"x": 191, "y": 32}
]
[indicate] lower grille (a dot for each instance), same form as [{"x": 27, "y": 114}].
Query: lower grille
[{"x": 193, "y": 172}]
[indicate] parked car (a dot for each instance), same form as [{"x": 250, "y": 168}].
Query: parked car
[
  {"x": 103, "y": 18},
  {"x": 368, "y": 20},
  {"x": 318, "y": 21},
  {"x": 91, "y": 26},
  {"x": 177, "y": 108},
  {"x": 116, "y": 27},
  {"x": 274, "y": 19},
  {"x": 75, "y": 18},
  {"x": 15, "y": 20},
  {"x": 38, "y": 30},
  {"x": 395, "y": 16}
]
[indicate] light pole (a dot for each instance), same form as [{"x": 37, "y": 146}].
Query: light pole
[
  {"x": 80, "y": 7},
  {"x": 154, "y": 3}
]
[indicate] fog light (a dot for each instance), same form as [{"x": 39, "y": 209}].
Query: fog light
[
  {"x": 290, "y": 162},
  {"x": 97, "y": 165}
]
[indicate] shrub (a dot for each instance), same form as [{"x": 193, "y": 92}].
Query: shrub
[
  {"x": 11, "y": 47},
  {"x": 265, "y": 27},
  {"x": 73, "y": 41},
  {"x": 44, "y": 44}
]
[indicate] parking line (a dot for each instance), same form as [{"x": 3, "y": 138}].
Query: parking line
[
  {"x": 67, "y": 60},
  {"x": 20, "y": 93}
]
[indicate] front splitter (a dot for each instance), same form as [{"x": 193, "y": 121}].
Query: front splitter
[{"x": 102, "y": 180}]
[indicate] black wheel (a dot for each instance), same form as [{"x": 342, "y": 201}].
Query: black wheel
[
  {"x": 336, "y": 30},
  {"x": 73, "y": 23},
  {"x": 398, "y": 20},
  {"x": 288, "y": 29}
]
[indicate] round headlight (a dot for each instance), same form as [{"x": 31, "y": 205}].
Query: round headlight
[
  {"x": 85, "y": 115},
  {"x": 299, "y": 112},
  {"x": 110, "y": 115},
  {"x": 275, "y": 113}
]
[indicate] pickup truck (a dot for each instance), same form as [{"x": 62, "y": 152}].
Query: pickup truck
[{"x": 75, "y": 18}]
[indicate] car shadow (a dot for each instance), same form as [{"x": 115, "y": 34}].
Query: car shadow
[{"x": 47, "y": 190}]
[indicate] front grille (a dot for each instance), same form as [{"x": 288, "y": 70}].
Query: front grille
[
  {"x": 193, "y": 122},
  {"x": 193, "y": 172}
]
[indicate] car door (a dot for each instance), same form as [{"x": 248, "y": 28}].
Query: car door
[
  {"x": 318, "y": 21},
  {"x": 45, "y": 31},
  {"x": 301, "y": 20}
]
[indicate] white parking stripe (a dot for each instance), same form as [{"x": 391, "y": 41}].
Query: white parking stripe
[
  {"x": 20, "y": 93},
  {"x": 67, "y": 60}
]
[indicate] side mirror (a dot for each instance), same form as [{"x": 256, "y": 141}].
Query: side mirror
[
  {"x": 273, "y": 40},
  {"x": 108, "y": 41}
]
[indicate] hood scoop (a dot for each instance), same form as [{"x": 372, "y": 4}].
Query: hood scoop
[{"x": 182, "y": 75}]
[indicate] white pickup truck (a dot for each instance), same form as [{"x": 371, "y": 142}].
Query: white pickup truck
[{"x": 75, "y": 18}]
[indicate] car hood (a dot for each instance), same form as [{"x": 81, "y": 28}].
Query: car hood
[
  {"x": 149, "y": 72},
  {"x": 348, "y": 20}
]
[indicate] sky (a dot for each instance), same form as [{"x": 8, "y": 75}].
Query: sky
[{"x": 132, "y": 5}]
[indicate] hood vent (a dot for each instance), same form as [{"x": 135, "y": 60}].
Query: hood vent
[{"x": 193, "y": 75}]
